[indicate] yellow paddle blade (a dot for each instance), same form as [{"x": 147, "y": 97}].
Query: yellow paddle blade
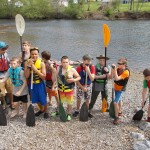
[{"x": 106, "y": 34}]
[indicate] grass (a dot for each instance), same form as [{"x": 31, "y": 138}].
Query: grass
[{"x": 123, "y": 7}]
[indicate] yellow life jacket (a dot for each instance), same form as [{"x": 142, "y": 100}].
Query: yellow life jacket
[
  {"x": 63, "y": 86},
  {"x": 36, "y": 78}
]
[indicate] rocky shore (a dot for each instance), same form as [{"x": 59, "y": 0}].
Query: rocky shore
[{"x": 98, "y": 133}]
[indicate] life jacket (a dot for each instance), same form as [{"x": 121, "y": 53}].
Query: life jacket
[
  {"x": 148, "y": 84},
  {"x": 83, "y": 76},
  {"x": 4, "y": 64},
  {"x": 15, "y": 76},
  {"x": 100, "y": 71},
  {"x": 63, "y": 85},
  {"x": 122, "y": 82},
  {"x": 48, "y": 73},
  {"x": 36, "y": 78}
]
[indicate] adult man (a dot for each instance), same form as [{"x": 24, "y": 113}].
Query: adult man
[
  {"x": 67, "y": 76},
  {"x": 121, "y": 76},
  {"x": 4, "y": 66},
  {"x": 100, "y": 82}
]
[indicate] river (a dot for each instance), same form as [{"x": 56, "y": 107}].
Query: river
[{"x": 130, "y": 39}]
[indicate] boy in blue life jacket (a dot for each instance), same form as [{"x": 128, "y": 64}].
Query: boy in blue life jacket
[
  {"x": 84, "y": 86},
  {"x": 146, "y": 89},
  {"x": 20, "y": 89}
]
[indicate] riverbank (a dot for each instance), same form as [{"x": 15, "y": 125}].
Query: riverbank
[{"x": 98, "y": 133}]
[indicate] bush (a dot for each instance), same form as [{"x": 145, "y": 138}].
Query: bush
[{"x": 108, "y": 12}]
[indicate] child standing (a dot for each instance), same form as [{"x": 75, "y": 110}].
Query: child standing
[
  {"x": 37, "y": 67},
  {"x": 146, "y": 88},
  {"x": 20, "y": 90},
  {"x": 50, "y": 77}
]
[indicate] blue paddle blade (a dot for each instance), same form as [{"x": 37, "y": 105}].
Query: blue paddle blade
[
  {"x": 3, "y": 120},
  {"x": 62, "y": 113},
  {"x": 83, "y": 116},
  {"x": 30, "y": 119}
]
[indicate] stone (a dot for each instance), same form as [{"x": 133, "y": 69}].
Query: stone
[
  {"x": 145, "y": 126},
  {"x": 140, "y": 146},
  {"x": 137, "y": 136}
]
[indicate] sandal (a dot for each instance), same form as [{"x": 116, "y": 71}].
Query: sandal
[{"x": 120, "y": 114}]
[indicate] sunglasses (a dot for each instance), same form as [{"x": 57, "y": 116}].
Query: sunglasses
[{"x": 120, "y": 63}]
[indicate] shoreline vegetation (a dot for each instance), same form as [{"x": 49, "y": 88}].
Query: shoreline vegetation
[{"x": 51, "y": 9}]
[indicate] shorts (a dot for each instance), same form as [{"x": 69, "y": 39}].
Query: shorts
[
  {"x": 66, "y": 97},
  {"x": 51, "y": 92},
  {"x": 84, "y": 95},
  {"x": 38, "y": 93},
  {"x": 23, "y": 98},
  {"x": 118, "y": 95},
  {"x": 6, "y": 86},
  {"x": 49, "y": 84}
]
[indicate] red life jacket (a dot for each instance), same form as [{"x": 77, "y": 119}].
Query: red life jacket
[
  {"x": 4, "y": 65},
  {"x": 148, "y": 84}
]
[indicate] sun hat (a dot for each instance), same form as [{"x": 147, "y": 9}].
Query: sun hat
[{"x": 102, "y": 57}]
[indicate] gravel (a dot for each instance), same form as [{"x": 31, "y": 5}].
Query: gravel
[{"x": 98, "y": 133}]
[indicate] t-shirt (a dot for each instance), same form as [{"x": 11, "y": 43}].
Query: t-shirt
[
  {"x": 17, "y": 88},
  {"x": 145, "y": 85},
  {"x": 124, "y": 75}
]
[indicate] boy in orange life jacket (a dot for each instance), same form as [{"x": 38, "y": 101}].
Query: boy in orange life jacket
[
  {"x": 50, "y": 75},
  {"x": 4, "y": 66},
  {"x": 146, "y": 88},
  {"x": 36, "y": 65},
  {"x": 84, "y": 86},
  {"x": 121, "y": 76}
]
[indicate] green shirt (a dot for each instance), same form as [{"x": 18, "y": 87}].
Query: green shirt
[{"x": 145, "y": 84}]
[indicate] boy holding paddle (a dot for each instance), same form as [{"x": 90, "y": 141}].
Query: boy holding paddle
[
  {"x": 121, "y": 76},
  {"x": 146, "y": 89},
  {"x": 35, "y": 66},
  {"x": 84, "y": 87}
]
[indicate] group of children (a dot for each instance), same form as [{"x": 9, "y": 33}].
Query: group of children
[{"x": 18, "y": 74}]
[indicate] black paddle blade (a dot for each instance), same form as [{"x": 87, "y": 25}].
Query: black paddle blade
[
  {"x": 62, "y": 113},
  {"x": 30, "y": 119},
  {"x": 112, "y": 110},
  {"x": 3, "y": 120},
  {"x": 83, "y": 116},
  {"x": 138, "y": 116}
]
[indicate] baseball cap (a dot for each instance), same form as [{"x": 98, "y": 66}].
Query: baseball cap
[{"x": 3, "y": 45}]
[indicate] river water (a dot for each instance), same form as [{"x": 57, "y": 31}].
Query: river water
[{"x": 130, "y": 39}]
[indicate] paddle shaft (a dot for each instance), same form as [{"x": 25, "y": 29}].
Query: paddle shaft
[{"x": 22, "y": 48}]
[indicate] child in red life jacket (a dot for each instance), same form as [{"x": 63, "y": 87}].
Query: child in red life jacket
[
  {"x": 84, "y": 86},
  {"x": 146, "y": 88},
  {"x": 20, "y": 89},
  {"x": 50, "y": 77}
]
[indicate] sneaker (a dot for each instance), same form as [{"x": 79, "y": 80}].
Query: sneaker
[
  {"x": 90, "y": 115},
  {"x": 54, "y": 114},
  {"x": 116, "y": 121},
  {"x": 76, "y": 113},
  {"x": 38, "y": 113},
  {"x": 69, "y": 117},
  {"x": 13, "y": 114},
  {"x": 46, "y": 115}
]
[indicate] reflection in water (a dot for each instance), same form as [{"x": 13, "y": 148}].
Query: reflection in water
[{"x": 75, "y": 38}]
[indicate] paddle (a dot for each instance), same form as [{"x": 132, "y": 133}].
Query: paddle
[
  {"x": 83, "y": 116},
  {"x": 106, "y": 36},
  {"x": 3, "y": 120},
  {"x": 20, "y": 26},
  {"x": 111, "y": 108},
  {"x": 30, "y": 119},
  {"x": 139, "y": 114}
]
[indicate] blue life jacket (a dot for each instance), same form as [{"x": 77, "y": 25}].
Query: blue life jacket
[
  {"x": 83, "y": 76},
  {"x": 15, "y": 76}
]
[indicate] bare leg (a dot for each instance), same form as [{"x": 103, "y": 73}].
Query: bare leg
[
  {"x": 11, "y": 99},
  {"x": 16, "y": 111},
  {"x": 120, "y": 106},
  {"x": 87, "y": 103},
  {"x": 49, "y": 96},
  {"x": 41, "y": 107},
  {"x": 69, "y": 109},
  {"x": 116, "y": 109},
  {"x": 78, "y": 104},
  {"x": 24, "y": 109},
  {"x": 149, "y": 110}
]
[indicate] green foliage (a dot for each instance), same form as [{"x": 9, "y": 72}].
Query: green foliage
[{"x": 108, "y": 12}]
